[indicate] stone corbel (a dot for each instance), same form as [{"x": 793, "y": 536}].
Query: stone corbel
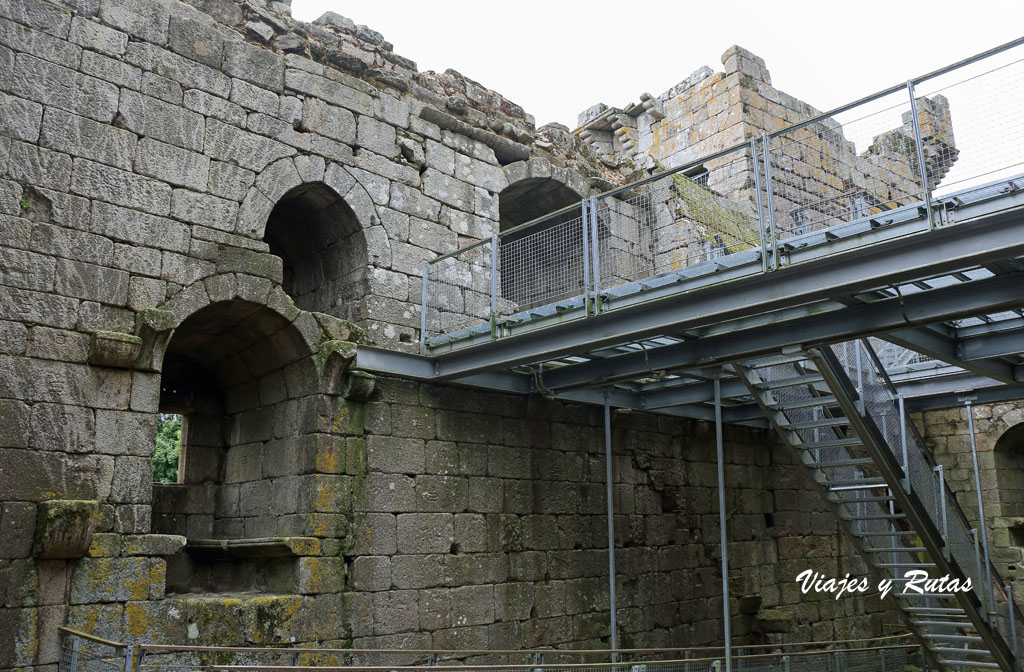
[
  {"x": 153, "y": 328},
  {"x": 114, "y": 349},
  {"x": 333, "y": 359}
]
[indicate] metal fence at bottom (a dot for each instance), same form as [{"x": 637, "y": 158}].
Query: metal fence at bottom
[
  {"x": 80, "y": 652},
  {"x": 84, "y": 653}
]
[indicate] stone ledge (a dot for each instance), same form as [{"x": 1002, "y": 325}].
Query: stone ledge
[{"x": 264, "y": 547}]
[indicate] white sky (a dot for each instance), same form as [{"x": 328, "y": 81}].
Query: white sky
[{"x": 558, "y": 58}]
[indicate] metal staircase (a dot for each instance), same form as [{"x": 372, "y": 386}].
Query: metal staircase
[{"x": 836, "y": 407}]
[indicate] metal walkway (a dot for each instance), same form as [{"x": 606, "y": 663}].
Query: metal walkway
[
  {"x": 760, "y": 294},
  {"x": 825, "y": 231}
]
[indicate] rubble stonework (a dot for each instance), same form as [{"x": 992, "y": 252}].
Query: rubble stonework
[{"x": 204, "y": 211}]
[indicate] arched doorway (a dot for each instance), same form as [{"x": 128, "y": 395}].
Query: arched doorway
[
  {"x": 321, "y": 242},
  {"x": 543, "y": 263}
]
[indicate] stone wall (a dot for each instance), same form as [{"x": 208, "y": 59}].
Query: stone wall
[
  {"x": 177, "y": 188},
  {"x": 1001, "y": 467}
]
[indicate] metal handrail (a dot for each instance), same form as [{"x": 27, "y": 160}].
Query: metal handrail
[{"x": 64, "y": 630}]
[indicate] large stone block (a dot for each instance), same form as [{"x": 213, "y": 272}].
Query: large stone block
[
  {"x": 95, "y": 180},
  {"x": 60, "y": 87},
  {"x": 425, "y": 532},
  {"x": 329, "y": 90},
  {"x": 19, "y": 118},
  {"x": 395, "y": 611},
  {"x": 196, "y": 41},
  {"x": 89, "y": 281},
  {"x": 248, "y": 150},
  {"x": 138, "y": 228},
  {"x": 261, "y": 67},
  {"x": 395, "y": 455},
  {"x": 145, "y": 20},
  {"x": 371, "y": 573},
  {"x": 39, "y": 167},
  {"x": 94, "y": 35},
  {"x": 65, "y": 428},
  {"x": 196, "y": 208},
  {"x": 174, "y": 165},
  {"x": 154, "y": 118}
]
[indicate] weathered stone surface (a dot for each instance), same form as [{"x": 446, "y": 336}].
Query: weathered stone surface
[
  {"x": 110, "y": 348},
  {"x": 19, "y": 118},
  {"x": 172, "y": 164},
  {"x": 247, "y": 150},
  {"x": 66, "y": 89},
  {"x": 163, "y": 121},
  {"x": 94, "y": 35},
  {"x": 89, "y": 139},
  {"x": 64, "y": 528},
  {"x": 146, "y": 20},
  {"x": 258, "y": 66},
  {"x": 95, "y": 180},
  {"x": 333, "y": 92},
  {"x": 139, "y": 228}
]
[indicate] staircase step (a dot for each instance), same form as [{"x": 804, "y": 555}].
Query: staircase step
[
  {"x": 847, "y": 484},
  {"x": 943, "y": 624},
  {"x": 834, "y": 496},
  {"x": 922, "y": 596},
  {"x": 891, "y": 533},
  {"x": 984, "y": 653},
  {"x": 818, "y": 424},
  {"x": 936, "y": 611},
  {"x": 952, "y": 638},
  {"x": 879, "y": 516},
  {"x": 911, "y": 565},
  {"x": 803, "y": 403},
  {"x": 896, "y": 549},
  {"x": 807, "y": 379},
  {"x": 842, "y": 463},
  {"x": 970, "y": 663},
  {"x": 779, "y": 360},
  {"x": 831, "y": 443}
]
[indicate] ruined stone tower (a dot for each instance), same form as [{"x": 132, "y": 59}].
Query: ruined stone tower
[{"x": 205, "y": 208}]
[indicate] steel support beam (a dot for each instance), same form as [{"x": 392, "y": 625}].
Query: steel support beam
[
  {"x": 946, "y": 303},
  {"x": 937, "y": 346},
  {"x": 1000, "y": 344},
  {"x": 991, "y": 237}
]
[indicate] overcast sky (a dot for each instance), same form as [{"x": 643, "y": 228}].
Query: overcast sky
[{"x": 558, "y": 58}]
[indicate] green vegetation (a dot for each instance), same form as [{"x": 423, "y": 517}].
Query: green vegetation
[{"x": 167, "y": 449}]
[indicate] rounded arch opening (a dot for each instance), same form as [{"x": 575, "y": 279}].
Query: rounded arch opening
[
  {"x": 238, "y": 374},
  {"x": 544, "y": 263},
  {"x": 319, "y": 238},
  {"x": 1008, "y": 463}
]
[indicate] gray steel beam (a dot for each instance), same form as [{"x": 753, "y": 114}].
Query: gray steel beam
[
  {"x": 693, "y": 393},
  {"x": 990, "y": 237},
  {"x": 933, "y": 344},
  {"x": 1002, "y": 344},
  {"x": 954, "y": 398},
  {"x": 937, "y": 305}
]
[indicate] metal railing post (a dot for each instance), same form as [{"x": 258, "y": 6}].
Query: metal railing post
[
  {"x": 770, "y": 201},
  {"x": 903, "y": 441},
  {"x": 584, "y": 223},
  {"x": 595, "y": 255},
  {"x": 881, "y": 659},
  {"x": 922, "y": 168},
  {"x": 423, "y": 308},
  {"x": 942, "y": 506},
  {"x": 760, "y": 205},
  {"x": 722, "y": 529},
  {"x": 76, "y": 646},
  {"x": 785, "y": 664},
  {"x": 129, "y": 656},
  {"x": 1013, "y": 625},
  {"x": 982, "y": 521},
  {"x": 609, "y": 491},
  {"x": 495, "y": 241}
]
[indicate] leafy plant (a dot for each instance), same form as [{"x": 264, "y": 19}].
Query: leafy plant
[{"x": 167, "y": 449}]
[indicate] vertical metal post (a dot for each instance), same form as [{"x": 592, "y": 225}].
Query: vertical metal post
[
  {"x": 129, "y": 656},
  {"x": 770, "y": 201},
  {"x": 423, "y": 308},
  {"x": 495, "y": 242},
  {"x": 785, "y": 664},
  {"x": 977, "y": 551},
  {"x": 595, "y": 255},
  {"x": 982, "y": 521},
  {"x": 760, "y": 205},
  {"x": 1013, "y": 625},
  {"x": 922, "y": 168},
  {"x": 881, "y": 657},
  {"x": 903, "y": 441},
  {"x": 687, "y": 656},
  {"x": 584, "y": 223},
  {"x": 76, "y": 646},
  {"x": 719, "y": 442},
  {"x": 860, "y": 379},
  {"x": 942, "y": 504},
  {"x": 611, "y": 519}
]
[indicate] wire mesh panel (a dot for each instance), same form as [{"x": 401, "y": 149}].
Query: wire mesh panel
[
  {"x": 678, "y": 221},
  {"x": 541, "y": 265},
  {"x": 459, "y": 290},
  {"x": 85, "y": 654},
  {"x": 981, "y": 103},
  {"x": 838, "y": 170}
]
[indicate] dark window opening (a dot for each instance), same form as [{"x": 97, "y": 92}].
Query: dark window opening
[
  {"x": 544, "y": 263},
  {"x": 319, "y": 239}
]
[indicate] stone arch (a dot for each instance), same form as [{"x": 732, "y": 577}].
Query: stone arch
[
  {"x": 321, "y": 220},
  {"x": 537, "y": 268},
  {"x": 1007, "y": 498},
  {"x": 251, "y": 374}
]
